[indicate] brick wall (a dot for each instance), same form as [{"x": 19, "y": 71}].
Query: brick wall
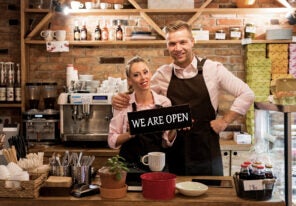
[{"x": 44, "y": 66}]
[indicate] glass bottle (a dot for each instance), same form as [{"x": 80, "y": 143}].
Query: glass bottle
[
  {"x": 268, "y": 171},
  {"x": 98, "y": 32},
  {"x": 119, "y": 32},
  {"x": 2, "y": 82},
  {"x": 83, "y": 32},
  {"x": 244, "y": 172},
  {"x": 105, "y": 32},
  {"x": 76, "y": 32},
  {"x": 10, "y": 82},
  {"x": 260, "y": 172},
  {"x": 17, "y": 85}
]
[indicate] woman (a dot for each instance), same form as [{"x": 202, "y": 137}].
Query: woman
[{"x": 133, "y": 147}]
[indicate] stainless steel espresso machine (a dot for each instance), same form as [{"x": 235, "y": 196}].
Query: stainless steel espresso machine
[
  {"x": 85, "y": 117},
  {"x": 41, "y": 121}
]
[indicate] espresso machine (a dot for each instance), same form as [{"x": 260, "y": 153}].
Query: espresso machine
[
  {"x": 41, "y": 118},
  {"x": 85, "y": 117}
]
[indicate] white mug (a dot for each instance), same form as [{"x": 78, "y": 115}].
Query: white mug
[
  {"x": 47, "y": 35},
  {"x": 118, "y": 6},
  {"x": 75, "y": 5},
  {"x": 104, "y": 5},
  {"x": 155, "y": 161},
  {"x": 88, "y": 5},
  {"x": 60, "y": 35}
]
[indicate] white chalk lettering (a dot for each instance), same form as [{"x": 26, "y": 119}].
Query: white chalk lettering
[
  {"x": 155, "y": 121},
  {"x": 139, "y": 123},
  {"x": 180, "y": 117}
]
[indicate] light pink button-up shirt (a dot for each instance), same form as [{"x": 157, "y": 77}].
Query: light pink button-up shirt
[
  {"x": 217, "y": 78},
  {"x": 119, "y": 122}
]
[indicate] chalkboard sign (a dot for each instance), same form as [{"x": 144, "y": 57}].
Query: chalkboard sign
[{"x": 161, "y": 119}]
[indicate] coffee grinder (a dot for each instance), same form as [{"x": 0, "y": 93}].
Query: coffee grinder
[{"x": 41, "y": 119}]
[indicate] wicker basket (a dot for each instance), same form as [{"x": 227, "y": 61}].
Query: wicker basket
[
  {"x": 264, "y": 194},
  {"x": 27, "y": 189}
]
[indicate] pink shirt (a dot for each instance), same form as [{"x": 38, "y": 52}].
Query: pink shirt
[
  {"x": 217, "y": 78},
  {"x": 119, "y": 122}
]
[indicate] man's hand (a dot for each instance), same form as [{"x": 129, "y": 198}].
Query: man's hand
[
  {"x": 218, "y": 125},
  {"x": 120, "y": 101}
]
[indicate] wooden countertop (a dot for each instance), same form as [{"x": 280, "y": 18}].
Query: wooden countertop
[{"x": 213, "y": 197}]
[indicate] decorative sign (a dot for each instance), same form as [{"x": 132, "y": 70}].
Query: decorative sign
[{"x": 154, "y": 120}]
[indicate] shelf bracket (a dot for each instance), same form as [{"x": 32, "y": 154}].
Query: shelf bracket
[
  {"x": 197, "y": 14},
  {"x": 40, "y": 25}
]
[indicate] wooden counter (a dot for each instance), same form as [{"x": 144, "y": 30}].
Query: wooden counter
[
  {"x": 213, "y": 197},
  {"x": 103, "y": 153}
]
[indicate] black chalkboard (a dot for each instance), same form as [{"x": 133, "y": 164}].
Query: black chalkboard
[{"x": 161, "y": 119}]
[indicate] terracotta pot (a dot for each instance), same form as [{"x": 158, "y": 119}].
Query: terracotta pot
[
  {"x": 245, "y": 3},
  {"x": 113, "y": 193},
  {"x": 109, "y": 180}
]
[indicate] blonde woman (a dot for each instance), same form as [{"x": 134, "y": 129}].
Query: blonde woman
[{"x": 132, "y": 147}]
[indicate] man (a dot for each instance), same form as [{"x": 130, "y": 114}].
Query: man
[{"x": 197, "y": 82}]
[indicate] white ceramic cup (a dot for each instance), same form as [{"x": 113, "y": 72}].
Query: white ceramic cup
[
  {"x": 118, "y": 6},
  {"x": 75, "y": 5},
  {"x": 60, "y": 35},
  {"x": 47, "y": 35},
  {"x": 155, "y": 161},
  {"x": 104, "y": 5},
  {"x": 88, "y": 5}
]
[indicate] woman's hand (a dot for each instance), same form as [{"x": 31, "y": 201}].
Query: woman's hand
[{"x": 120, "y": 101}]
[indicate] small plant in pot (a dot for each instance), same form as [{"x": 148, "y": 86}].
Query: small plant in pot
[{"x": 113, "y": 173}]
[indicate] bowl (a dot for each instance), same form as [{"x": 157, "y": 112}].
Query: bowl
[
  {"x": 158, "y": 185},
  {"x": 191, "y": 188}
]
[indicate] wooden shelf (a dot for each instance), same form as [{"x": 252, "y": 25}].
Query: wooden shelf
[
  {"x": 154, "y": 42},
  {"x": 15, "y": 105}
]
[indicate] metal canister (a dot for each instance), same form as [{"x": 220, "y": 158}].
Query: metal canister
[
  {"x": 220, "y": 34},
  {"x": 235, "y": 33},
  {"x": 250, "y": 30}
]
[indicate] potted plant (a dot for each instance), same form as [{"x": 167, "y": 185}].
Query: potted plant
[{"x": 113, "y": 173}]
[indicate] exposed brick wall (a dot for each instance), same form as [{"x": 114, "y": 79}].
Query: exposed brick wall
[{"x": 44, "y": 66}]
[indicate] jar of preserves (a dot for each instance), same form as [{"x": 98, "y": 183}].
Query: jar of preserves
[
  {"x": 235, "y": 33},
  {"x": 250, "y": 30},
  {"x": 220, "y": 34}
]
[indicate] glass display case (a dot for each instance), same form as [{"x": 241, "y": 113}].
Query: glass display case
[{"x": 275, "y": 133}]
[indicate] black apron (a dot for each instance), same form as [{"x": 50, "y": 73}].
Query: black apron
[
  {"x": 197, "y": 151},
  {"x": 140, "y": 145}
]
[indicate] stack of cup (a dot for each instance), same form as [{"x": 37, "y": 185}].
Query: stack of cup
[{"x": 72, "y": 76}]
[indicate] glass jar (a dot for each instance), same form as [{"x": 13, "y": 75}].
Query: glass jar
[
  {"x": 220, "y": 34},
  {"x": 250, "y": 30},
  {"x": 235, "y": 33}
]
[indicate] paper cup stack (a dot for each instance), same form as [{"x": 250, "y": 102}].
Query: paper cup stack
[{"x": 72, "y": 75}]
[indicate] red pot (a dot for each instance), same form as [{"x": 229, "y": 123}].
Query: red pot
[{"x": 158, "y": 185}]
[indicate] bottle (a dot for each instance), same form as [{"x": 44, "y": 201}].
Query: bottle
[
  {"x": 260, "y": 172},
  {"x": 10, "y": 82},
  {"x": 268, "y": 171},
  {"x": 76, "y": 32},
  {"x": 83, "y": 32},
  {"x": 105, "y": 32},
  {"x": 17, "y": 84},
  {"x": 119, "y": 32},
  {"x": 98, "y": 32},
  {"x": 2, "y": 82},
  {"x": 244, "y": 172}
]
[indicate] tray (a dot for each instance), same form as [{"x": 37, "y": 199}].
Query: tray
[
  {"x": 263, "y": 194},
  {"x": 27, "y": 189}
]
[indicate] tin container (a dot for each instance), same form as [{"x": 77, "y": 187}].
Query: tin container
[
  {"x": 220, "y": 34},
  {"x": 250, "y": 30},
  {"x": 235, "y": 33}
]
